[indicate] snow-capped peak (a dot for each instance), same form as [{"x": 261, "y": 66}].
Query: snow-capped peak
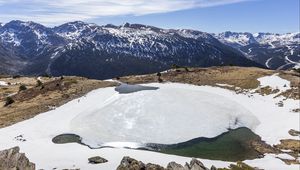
[
  {"x": 237, "y": 39},
  {"x": 271, "y": 39},
  {"x": 277, "y": 39}
]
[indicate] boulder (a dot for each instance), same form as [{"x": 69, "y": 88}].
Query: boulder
[
  {"x": 130, "y": 163},
  {"x": 12, "y": 159},
  {"x": 175, "y": 166},
  {"x": 97, "y": 160},
  {"x": 213, "y": 168},
  {"x": 195, "y": 165}
]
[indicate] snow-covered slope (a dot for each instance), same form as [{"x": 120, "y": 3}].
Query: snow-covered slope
[
  {"x": 275, "y": 51},
  {"x": 271, "y": 39},
  {"x": 237, "y": 39},
  {"x": 276, "y": 40}
]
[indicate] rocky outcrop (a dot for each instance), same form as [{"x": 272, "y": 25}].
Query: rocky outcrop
[
  {"x": 132, "y": 164},
  {"x": 12, "y": 159},
  {"x": 175, "y": 166},
  {"x": 97, "y": 160},
  {"x": 195, "y": 165}
]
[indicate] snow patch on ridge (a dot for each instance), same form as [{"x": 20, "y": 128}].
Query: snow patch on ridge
[
  {"x": 3, "y": 83},
  {"x": 274, "y": 82}
]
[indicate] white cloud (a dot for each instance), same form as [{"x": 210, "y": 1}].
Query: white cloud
[{"x": 57, "y": 11}]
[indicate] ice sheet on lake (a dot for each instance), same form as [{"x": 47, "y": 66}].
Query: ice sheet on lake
[{"x": 167, "y": 115}]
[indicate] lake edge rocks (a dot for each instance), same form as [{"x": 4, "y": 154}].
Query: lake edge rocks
[{"x": 13, "y": 159}]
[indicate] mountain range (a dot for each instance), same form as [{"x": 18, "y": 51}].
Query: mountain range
[
  {"x": 275, "y": 51},
  {"x": 89, "y": 50}
]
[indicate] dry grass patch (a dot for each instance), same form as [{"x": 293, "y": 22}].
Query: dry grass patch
[
  {"x": 289, "y": 144},
  {"x": 53, "y": 93},
  {"x": 240, "y": 79},
  {"x": 245, "y": 78}
]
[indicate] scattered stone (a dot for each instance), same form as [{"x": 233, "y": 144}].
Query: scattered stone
[
  {"x": 280, "y": 104},
  {"x": 12, "y": 159},
  {"x": 294, "y": 132},
  {"x": 20, "y": 138},
  {"x": 97, "y": 160}
]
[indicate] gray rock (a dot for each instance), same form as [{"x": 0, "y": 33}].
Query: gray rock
[
  {"x": 187, "y": 166},
  {"x": 12, "y": 159},
  {"x": 128, "y": 163},
  {"x": 196, "y": 165},
  {"x": 213, "y": 168},
  {"x": 150, "y": 166},
  {"x": 175, "y": 166},
  {"x": 97, "y": 160}
]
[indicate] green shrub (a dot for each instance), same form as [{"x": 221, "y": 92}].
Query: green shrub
[
  {"x": 296, "y": 70},
  {"x": 47, "y": 75},
  {"x": 16, "y": 76},
  {"x": 71, "y": 81},
  {"x": 175, "y": 66},
  {"x": 8, "y": 101},
  {"x": 39, "y": 83},
  {"x": 22, "y": 87},
  {"x": 160, "y": 80}
]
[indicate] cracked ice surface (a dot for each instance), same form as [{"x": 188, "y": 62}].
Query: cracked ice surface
[{"x": 167, "y": 115}]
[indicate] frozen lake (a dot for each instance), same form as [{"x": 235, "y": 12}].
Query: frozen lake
[{"x": 164, "y": 114}]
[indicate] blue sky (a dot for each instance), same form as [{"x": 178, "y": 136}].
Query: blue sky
[{"x": 278, "y": 16}]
